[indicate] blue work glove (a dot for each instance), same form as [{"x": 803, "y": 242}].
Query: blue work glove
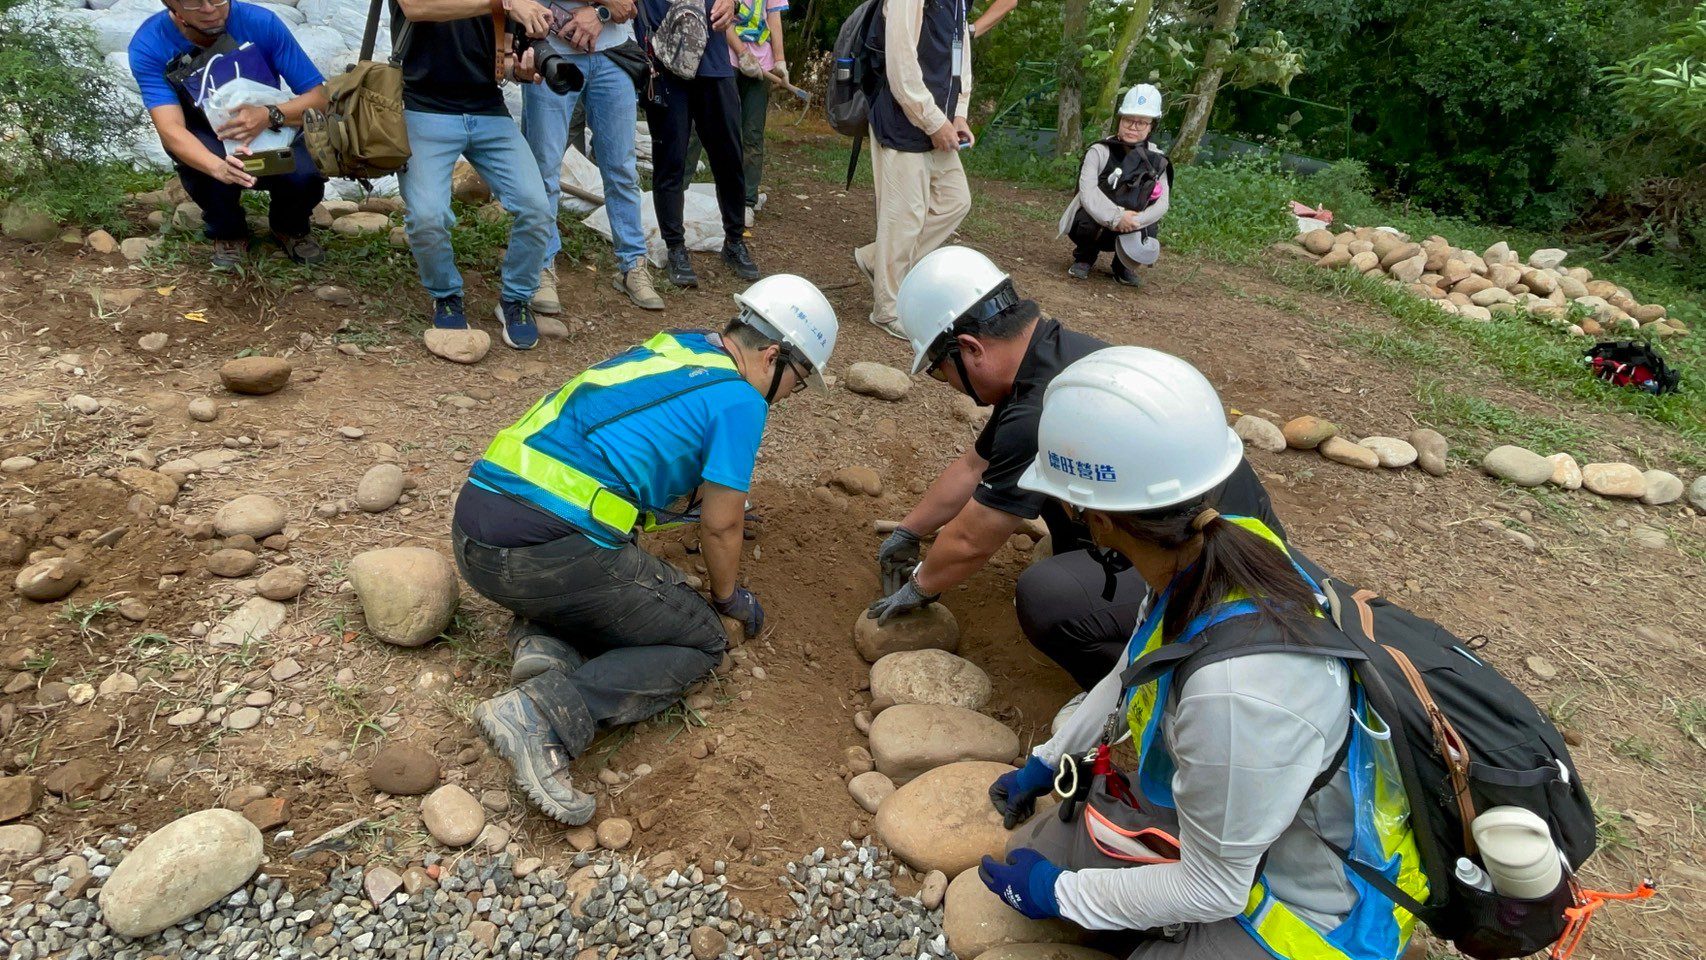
[
  {"x": 742, "y": 606},
  {"x": 1015, "y": 794},
  {"x": 1025, "y": 882},
  {"x": 900, "y": 603},
  {"x": 896, "y": 558}
]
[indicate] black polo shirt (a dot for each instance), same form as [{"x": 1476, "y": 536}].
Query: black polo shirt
[{"x": 1009, "y": 444}]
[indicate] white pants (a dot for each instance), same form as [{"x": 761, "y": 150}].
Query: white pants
[{"x": 921, "y": 199}]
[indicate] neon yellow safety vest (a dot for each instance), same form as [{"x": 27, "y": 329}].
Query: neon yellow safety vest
[
  {"x": 1376, "y": 928},
  {"x": 515, "y": 464},
  {"x": 750, "y": 23}
]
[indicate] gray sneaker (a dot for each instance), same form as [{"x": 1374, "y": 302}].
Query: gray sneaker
[
  {"x": 534, "y": 650},
  {"x": 518, "y": 732}
]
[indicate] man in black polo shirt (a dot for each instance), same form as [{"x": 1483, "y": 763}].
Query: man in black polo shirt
[
  {"x": 452, "y": 54},
  {"x": 970, "y": 329}
]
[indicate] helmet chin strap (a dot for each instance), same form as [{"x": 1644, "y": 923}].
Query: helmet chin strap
[{"x": 965, "y": 379}]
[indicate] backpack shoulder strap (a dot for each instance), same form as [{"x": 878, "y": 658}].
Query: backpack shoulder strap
[
  {"x": 402, "y": 28},
  {"x": 370, "y": 36},
  {"x": 1185, "y": 658}
]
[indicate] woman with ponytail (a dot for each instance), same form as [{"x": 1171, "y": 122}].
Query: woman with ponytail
[{"x": 1249, "y": 763}]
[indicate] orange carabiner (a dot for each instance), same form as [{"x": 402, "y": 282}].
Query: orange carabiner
[{"x": 1587, "y": 903}]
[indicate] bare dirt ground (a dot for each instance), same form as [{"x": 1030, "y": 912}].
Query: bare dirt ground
[{"x": 752, "y": 777}]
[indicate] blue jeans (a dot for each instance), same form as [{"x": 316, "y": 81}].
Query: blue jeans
[
  {"x": 611, "y": 106},
  {"x": 493, "y": 144}
]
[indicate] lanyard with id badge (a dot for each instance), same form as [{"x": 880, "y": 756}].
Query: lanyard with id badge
[{"x": 960, "y": 53}]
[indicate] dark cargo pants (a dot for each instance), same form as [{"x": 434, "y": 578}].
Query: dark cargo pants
[{"x": 646, "y": 635}]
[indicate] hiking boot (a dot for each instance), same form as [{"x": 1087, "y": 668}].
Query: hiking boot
[
  {"x": 736, "y": 255},
  {"x": 681, "y": 268},
  {"x": 545, "y": 300},
  {"x": 533, "y": 650},
  {"x": 1126, "y": 275},
  {"x": 637, "y": 284},
  {"x": 304, "y": 250},
  {"x": 519, "y": 733},
  {"x": 447, "y": 313},
  {"x": 1079, "y": 270},
  {"x": 227, "y": 254},
  {"x": 519, "y": 330}
]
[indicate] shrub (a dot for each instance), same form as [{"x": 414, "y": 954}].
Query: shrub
[{"x": 66, "y": 122}]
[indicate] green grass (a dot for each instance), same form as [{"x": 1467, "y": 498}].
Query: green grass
[
  {"x": 82, "y": 617},
  {"x": 1691, "y": 719},
  {"x": 1447, "y": 406},
  {"x": 1613, "y": 828},
  {"x": 1638, "y": 750},
  {"x": 1535, "y": 357}
]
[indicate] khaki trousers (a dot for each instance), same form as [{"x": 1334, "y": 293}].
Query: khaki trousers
[{"x": 921, "y": 199}]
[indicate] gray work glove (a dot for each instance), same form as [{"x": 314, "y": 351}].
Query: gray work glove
[
  {"x": 897, "y": 558},
  {"x": 900, "y": 603}
]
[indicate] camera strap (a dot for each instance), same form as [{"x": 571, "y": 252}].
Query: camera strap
[{"x": 500, "y": 30}]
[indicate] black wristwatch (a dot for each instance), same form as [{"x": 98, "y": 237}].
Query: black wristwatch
[
  {"x": 275, "y": 118},
  {"x": 603, "y": 14}
]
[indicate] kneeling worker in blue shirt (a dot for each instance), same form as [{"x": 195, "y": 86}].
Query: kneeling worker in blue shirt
[{"x": 604, "y": 632}]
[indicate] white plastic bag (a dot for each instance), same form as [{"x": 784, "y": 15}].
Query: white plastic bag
[{"x": 221, "y": 106}]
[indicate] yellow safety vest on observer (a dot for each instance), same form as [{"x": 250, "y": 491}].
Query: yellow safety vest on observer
[{"x": 1376, "y": 928}]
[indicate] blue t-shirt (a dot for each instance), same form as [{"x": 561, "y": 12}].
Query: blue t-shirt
[
  {"x": 158, "y": 42},
  {"x": 653, "y": 441},
  {"x": 715, "y": 62}
]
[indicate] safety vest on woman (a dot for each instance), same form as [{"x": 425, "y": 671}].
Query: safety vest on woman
[
  {"x": 1376, "y": 928},
  {"x": 750, "y": 24},
  {"x": 525, "y": 460}
]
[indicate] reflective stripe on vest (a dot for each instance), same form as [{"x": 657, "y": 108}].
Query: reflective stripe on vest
[
  {"x": 510, "y": 451},
  {"x": 751, "y": 25},
  {"x": 1376, "y": 928}
]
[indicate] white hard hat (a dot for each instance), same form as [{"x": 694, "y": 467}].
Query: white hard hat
[
  {"x": 1130, "y": 429},
  {"x": 1142, "y": 100},
  {"x": 944, "y": 288},
  {"x": 793, "y": 310}
]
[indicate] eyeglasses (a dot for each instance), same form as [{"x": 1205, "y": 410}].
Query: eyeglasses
[{"x": 197, "y": 6}]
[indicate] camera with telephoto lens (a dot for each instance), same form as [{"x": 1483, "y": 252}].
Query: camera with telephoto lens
[{"x": 550, "y": 58}]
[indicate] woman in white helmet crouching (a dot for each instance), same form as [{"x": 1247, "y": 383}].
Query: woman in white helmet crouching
[
  {"x": 1255, "y": 748},
  {"x": 1123, "y": 187}
]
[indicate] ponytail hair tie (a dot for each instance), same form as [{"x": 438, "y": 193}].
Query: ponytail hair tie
[{"x": 1203, "y": 519}]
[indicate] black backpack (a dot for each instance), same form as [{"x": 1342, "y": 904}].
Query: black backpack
[
  {"x": 858, "y": 70},
  {"x": 1467, "y": 740},
  {"x": 1631, "y": 363}
]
